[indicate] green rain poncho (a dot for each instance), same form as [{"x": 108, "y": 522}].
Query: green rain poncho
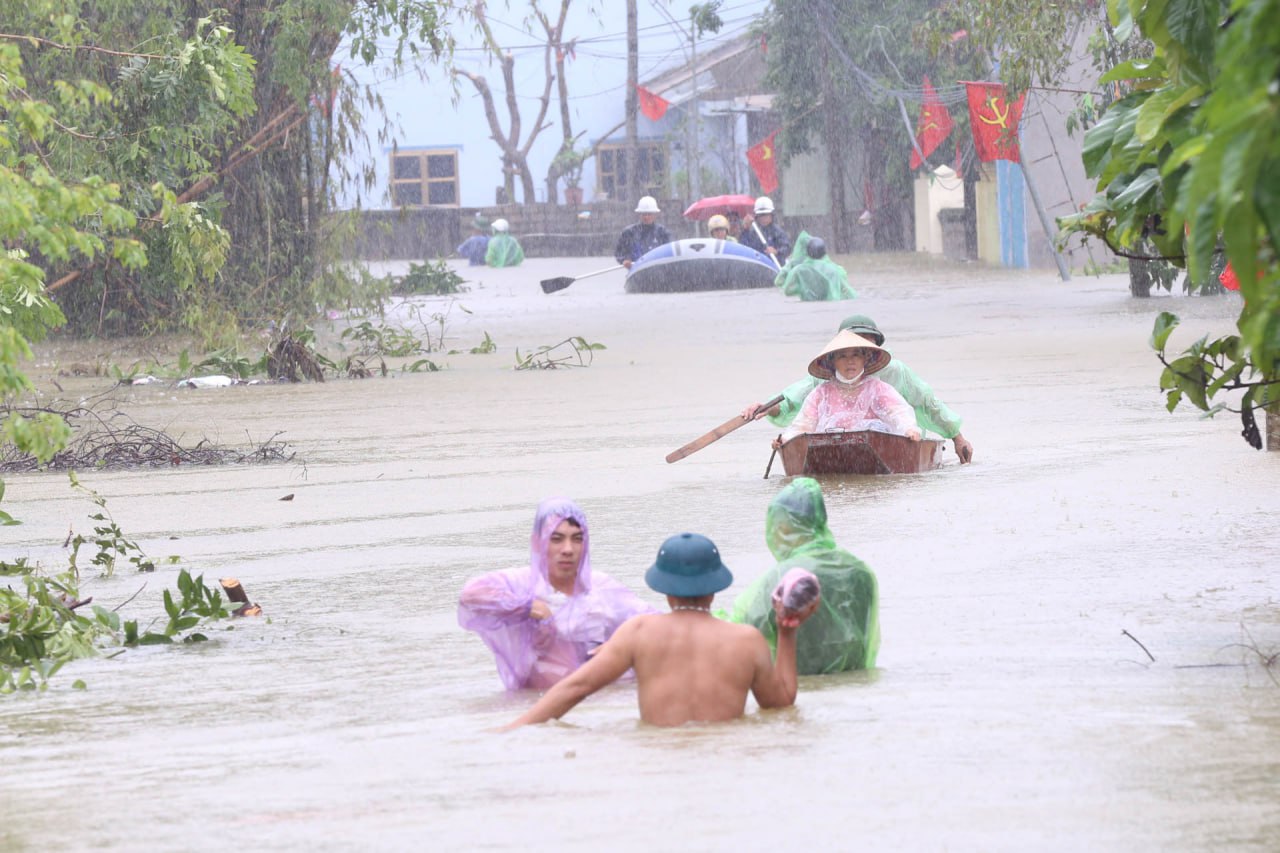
[
  {"x": 931, "y": 413},
  {"x": 845, "y": 631},
  {"x": 813, "y": 279},
  {"x": 503, "y": 251}
]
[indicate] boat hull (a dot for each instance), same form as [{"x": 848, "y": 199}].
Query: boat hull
[
  {"x": 863, "y": 452},
  {"x": 700, "y": 264}
]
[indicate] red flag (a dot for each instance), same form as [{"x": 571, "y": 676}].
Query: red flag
[
  {"x": 653, "y": 106},
  {"x": 764, "y": 164},
  {"x": 994, "y": 122},
  {"x": 934, "y": 126},
  {"x": 1229, "y": 279}
]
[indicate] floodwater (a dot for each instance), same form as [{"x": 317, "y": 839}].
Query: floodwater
[{"x": 1008, "y": 712}]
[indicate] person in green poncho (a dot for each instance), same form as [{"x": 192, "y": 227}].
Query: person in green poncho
[
  {"x": 813, "y": 276},
  {"x": 504, "y": 250},
  {"x": 844, "y": 633},
  {"x": 931, "y": 413}
]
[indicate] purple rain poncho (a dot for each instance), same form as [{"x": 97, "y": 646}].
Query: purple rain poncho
[{"x": 538, "y": 653}]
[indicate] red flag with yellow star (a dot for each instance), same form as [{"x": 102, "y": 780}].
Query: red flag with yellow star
[
  {"x": 994, "y": 121},
  {"x": 934, "y": 126},
  {"x": 764, "y": 164},
  {"x": 653, "y": 105}
]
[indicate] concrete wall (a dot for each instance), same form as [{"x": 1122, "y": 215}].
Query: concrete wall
[
  {"x": 543, "y": 230},
  {"x": 1053, "y": 158},
  {"x": 942, "y": 189}
]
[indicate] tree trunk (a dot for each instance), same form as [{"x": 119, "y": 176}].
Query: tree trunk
[{"x": 1273, "y": 427}]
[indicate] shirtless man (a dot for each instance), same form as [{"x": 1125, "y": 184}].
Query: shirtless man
[{"x": 689, "y": 665}]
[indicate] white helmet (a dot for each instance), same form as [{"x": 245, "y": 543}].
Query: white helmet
[
  {"x": 648, "y": 204},
  {"x": 764, "y": 204},
  {"x": 500, "y": 225}
]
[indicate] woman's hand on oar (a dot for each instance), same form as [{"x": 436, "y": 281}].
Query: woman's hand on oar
[{"x": 756, "y": 411}]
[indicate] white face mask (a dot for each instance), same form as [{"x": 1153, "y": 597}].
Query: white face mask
[{"x": 853, "y": 380}]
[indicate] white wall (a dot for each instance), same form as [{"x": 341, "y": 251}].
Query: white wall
[{"x": 943, "y": 188}]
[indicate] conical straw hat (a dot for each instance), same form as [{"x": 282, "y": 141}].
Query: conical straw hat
[{"x": 877, "y": 357}]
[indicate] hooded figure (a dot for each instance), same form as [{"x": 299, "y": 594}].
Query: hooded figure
[
  {"x": 812, "y": 275},
  {"x": 503, "y": 607},
  {"x": 845, "y": 631}
]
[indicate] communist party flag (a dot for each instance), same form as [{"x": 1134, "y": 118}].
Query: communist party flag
[
  {"x": 994, "y": 121},
  {"x": 764, "y": 164},
  {"x": 934, "y": 126},
  {"x": 653, "y": 106}
]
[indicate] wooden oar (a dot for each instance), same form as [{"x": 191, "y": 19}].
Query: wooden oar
[
  {"x": 720, "y": 431},
  {"x": 551, "y": 285}
]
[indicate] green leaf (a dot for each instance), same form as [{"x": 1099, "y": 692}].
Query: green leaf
[
  {"x": 1159, "y": 107},
  {"x": 1164, "y": 326},
  {"x": 1135, "y": 69},
  {"x": 1138, "y": 190}
]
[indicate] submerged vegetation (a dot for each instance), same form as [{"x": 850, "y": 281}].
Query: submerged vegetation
[{"x": 45, "y": 624}]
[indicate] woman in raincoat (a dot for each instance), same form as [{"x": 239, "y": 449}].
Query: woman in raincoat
[
  {"x": 851, "y": 399},
  {"x": 845, "y": 631},
  {"x": 542, "y": 621}
]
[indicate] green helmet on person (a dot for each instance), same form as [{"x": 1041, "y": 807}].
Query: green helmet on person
[{"x": 861, "y": 324}]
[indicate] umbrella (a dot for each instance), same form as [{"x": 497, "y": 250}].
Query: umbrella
[{"x": 705, "y": 208}]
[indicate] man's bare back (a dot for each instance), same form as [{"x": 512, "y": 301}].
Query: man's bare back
[{"x": 689, "y": 665}]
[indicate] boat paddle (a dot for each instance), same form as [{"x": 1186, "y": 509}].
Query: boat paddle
[
  {"x": 763, "y": 242},
  {"x": 720, "y": 431},
  {"x": 551, "y": 285}
]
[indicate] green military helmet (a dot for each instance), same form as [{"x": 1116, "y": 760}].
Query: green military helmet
[
  {"x": 688, "y": 566},
  {"x": 861, "y": 324}
]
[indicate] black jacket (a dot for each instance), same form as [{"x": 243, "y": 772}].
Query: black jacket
[
  {"x": 637, "y": 239},
  {"x": 773, "y": 236}
]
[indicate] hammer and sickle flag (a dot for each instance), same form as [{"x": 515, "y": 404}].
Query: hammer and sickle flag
[
  {"x": 934, "y": 126},
  {"x": 653, "y": 106},
  {"x": 994, "y": 121},
  {"x": 764, "y": 163}
]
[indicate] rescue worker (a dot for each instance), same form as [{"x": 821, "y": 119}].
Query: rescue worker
[
  {"x": 764, "y": 235},
  {"x": 644, "y": 236}
]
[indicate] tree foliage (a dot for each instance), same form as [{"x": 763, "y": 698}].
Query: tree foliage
[
  {"x": 1187, "y": 162},
  {"x": 820, "y": 96},
  {"x": 159, "y": 169}
]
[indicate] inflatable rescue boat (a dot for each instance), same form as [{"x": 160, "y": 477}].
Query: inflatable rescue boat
[{"x": 700, "y": 263}]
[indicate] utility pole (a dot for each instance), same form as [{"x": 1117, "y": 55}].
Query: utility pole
[
  {"x": 695, "y": 165},
  {"x": 630, "y": 152}
]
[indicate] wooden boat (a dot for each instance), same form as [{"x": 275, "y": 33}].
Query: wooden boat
[
  {"x": 863, "y": 452},
  {"x": 700, "y": 263}
]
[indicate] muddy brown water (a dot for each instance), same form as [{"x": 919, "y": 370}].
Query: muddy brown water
[{"x": 1008, "y": 711}]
